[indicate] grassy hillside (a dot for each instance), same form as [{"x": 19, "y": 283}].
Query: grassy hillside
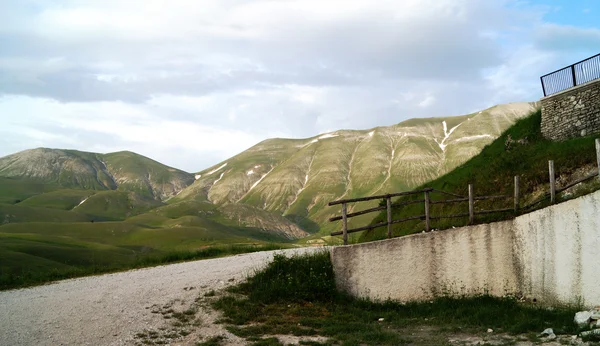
[
  {"x": 15, "y": 190},
  {"x": 298, "y": 177},
  {"x": 35, "y": 252},
  {"x": 492, "y": 173},
  {"x": 64, "y": 199}
]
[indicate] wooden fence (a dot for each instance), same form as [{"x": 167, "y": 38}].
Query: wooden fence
[{"x": 428, "y": 201}]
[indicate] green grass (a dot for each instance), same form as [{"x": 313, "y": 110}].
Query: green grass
[
  {"x": 15, "y": 190},
  {"x": 297, "y": 296},
  {"x": 492, "y": 173},
  {"x": 62, "y": 199},
  {"x": 50, "y": 262},
  {"x": 17, "y": 213}
]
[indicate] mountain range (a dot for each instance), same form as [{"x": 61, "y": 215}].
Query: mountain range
[{"x": 278, "y": 188}]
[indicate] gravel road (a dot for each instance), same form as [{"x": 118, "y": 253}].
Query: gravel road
[{"x": 110, "y": 309}]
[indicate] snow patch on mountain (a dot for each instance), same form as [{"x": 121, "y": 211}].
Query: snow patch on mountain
[
  {"x": 328, "y": 135},
  {"x": 446, "y": 135},
  {"x": 218, "y": 169},
  {"x": 197, "y": 176},
  {"x": 80, "y": 203},
  {"x": 371, "y": 133},
  {"x": 259, "y": 180},
  {"x": 470, "y": 138},
  {"x": 220, "y": 177}
]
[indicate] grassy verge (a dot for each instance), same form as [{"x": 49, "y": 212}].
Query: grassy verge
[
  {"x": 297, "y": 296},
  {"x": 521, "y": 150},
  {"x": 31, "y": 277}
]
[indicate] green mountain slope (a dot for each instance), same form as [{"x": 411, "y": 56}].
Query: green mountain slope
[
  {"x": 298, "y": 177},
  {"x": 522, "y": 151}
]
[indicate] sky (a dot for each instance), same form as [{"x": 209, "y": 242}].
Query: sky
[{"x": 191, "y": 83}]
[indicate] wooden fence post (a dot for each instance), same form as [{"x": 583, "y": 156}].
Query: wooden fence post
[
  {"x": 471, "y": 207},
  {"x": 598, "y": 155},
  {"x": 552, "y": 181},
  {"x": 345, "y": 223},
  {"x": 516, "y": 193},
  {"x": 389, "y": 217},
  {"x": 427, "y": 224}
]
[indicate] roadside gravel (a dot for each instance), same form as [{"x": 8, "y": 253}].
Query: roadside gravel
[{"x": 111, "y": 309}]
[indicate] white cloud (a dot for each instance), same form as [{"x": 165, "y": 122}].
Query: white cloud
[
  {"x": 193, "y": 82},
  {"x": 428, "y": 101}
]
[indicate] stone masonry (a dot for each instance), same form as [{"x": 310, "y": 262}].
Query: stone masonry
[{"x": 572, "y": 113}]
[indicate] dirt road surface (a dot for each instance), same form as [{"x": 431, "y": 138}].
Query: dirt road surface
[{"x": 111, "y": 309}]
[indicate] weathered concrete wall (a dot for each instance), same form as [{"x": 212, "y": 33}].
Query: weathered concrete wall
[
  {"x": 558, "y": 251},
  {"x": 552, "y": 255},
  {"x": 463, "y": 260},
  {"x": 572, "y": 113}
]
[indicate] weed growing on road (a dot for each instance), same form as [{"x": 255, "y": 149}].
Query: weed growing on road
[{"x": 181, "y": 322}]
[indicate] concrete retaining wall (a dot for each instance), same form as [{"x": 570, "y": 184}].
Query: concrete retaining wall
[
  {"x": 572, "y": 113},
  {"x": 552, "y": 255}
]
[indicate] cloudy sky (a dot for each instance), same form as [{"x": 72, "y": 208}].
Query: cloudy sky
[{"x": 193, "y": 82}]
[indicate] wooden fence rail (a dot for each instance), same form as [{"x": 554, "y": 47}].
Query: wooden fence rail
[{"x": 427, "y": 202}]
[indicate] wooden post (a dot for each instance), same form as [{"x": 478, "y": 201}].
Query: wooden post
[
  {"x": 345, "y": 223},
  {"x": 598, "y": 155},
  {"x": 471, "y": 207},
  {"x": 552, "y": 181},
  {"x": 389, "y": 217},
  {"x": 427, "y": 224},
  {"x": 516, "y": 193}
]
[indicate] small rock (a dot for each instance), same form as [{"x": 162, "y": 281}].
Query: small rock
[
  {"x": 582, "y": 318},
  {"x": 381, "y": 319},
  {"x": 490, "y": 330},
  {"x": 547, "y": 331},
  {"x": 574, "y": 337}
]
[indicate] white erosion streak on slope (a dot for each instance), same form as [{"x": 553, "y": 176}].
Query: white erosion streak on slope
[
  {"x": 389, "y": 172},
  {"x": 250, "y": 172},
  {"x": 197, "y": 176},
  {"x": 446, "y": 135},
  {"x": 348, "y": 184},
  {"x": 214, "y": 170},
  {"x": 305, "y": 181},
  {"x": 371, "y": 133},
  {"x": 80, "y": 203}
]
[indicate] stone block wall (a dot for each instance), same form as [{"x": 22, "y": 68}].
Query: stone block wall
[{"x": 572, "y": 113}]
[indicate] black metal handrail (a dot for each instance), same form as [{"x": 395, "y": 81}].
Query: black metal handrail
[{"x": 567, "y": 77}]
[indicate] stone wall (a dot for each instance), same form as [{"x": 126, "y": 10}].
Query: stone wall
[
  {"x": 550, "y": 254},
  {"x": 572, "y": 113}
]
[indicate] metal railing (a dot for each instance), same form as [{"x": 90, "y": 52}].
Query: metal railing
[{"x": 567, "y": 77}]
